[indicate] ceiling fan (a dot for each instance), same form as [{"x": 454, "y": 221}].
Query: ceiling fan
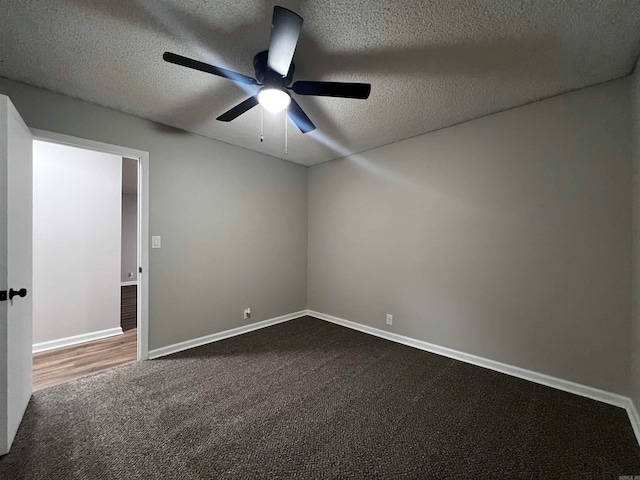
[{"x": 274, "y": 72}]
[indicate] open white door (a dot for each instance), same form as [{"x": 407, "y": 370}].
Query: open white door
[{"x": 16, "y": 197}]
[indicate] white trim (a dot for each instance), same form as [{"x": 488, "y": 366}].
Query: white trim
[
  {"x": 75, "y": 340},
  {"x": 143, "y": 256},
  {"x": 143, "y": 218},
  {"x": 634, "y": 418},
  {"x": 541, "y": 378},
  {"x": 196, "y": 342},
  {"x": 71, "y": 141},
  {"x": 129, "y": 284}
]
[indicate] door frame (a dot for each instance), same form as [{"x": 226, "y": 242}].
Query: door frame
[{"x": 143, "y": 219}]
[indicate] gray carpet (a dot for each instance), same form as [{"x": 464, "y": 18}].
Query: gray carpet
[{"x": 308, "y": 399}]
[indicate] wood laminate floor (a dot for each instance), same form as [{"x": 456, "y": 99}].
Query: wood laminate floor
[{"x": 70, "y": 363}]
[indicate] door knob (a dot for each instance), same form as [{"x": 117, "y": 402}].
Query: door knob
[{"x": 20, "y": 293}]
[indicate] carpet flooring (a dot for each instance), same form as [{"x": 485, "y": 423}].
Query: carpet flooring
[{"x": 308, "y": 399}]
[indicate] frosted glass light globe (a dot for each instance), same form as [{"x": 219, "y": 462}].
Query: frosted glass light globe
[{"x": 273, "y": 99}]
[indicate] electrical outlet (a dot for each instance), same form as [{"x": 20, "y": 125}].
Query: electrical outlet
[
  {"x": 247, "y": 313},
  {"x": 389, "y": 319}
]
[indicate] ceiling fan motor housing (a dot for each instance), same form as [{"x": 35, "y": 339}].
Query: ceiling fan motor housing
[{"x": 268, "y": 77}]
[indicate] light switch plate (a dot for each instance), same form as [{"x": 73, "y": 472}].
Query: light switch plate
[{"x": 156, "y": 241}]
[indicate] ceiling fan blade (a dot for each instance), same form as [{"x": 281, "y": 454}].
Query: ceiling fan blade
[
  {"x": 333, "y": 89},
  {"x": 205, "y": 67},
  {"x": 239, "y": 109},
  {"x": 285, "y": 30},
  {"x": 300, "y": 118}
]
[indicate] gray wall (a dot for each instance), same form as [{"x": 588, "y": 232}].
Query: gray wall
[
  {"x": 635, "y": 363},
  {"x": 129, "y": 250},
  {"x": 233, "y": 222},
  {"x": 508, "y": 237}
]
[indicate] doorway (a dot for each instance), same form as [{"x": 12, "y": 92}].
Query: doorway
[
  {"x": 90, "y": 257},
  {"x": 129, "y": 252}
]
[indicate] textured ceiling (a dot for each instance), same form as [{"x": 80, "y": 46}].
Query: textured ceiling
[{"x": 431, "y": 63}]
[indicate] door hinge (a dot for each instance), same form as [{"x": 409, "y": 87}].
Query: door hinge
[
  {"x": 3, "y": 295},
  {"x": 140, "y": 269}
]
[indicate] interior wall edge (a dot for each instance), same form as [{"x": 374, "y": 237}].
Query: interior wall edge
[{"x": 635, "y": 317}]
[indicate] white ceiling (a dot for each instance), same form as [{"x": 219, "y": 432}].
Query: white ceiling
[{"x": 431, "y": 63}]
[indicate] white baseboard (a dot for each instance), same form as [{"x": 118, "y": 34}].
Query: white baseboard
[
  {"x": 196, "y": 342},
  {"x": 558, "y": 383},
  {"x": 66, "y": 342},
  {"x": 128, "y": 284},
  {"x": 634, "y": 418}
]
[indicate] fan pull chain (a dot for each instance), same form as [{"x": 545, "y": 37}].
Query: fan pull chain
[
  {"x": 286, "y": 131},
  {"x": 261, "y": 123}
]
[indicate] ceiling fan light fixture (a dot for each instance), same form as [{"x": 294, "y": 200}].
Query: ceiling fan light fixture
[
  {"x": 274, "y": 69},
  {"x": 274, "y": 99}
]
